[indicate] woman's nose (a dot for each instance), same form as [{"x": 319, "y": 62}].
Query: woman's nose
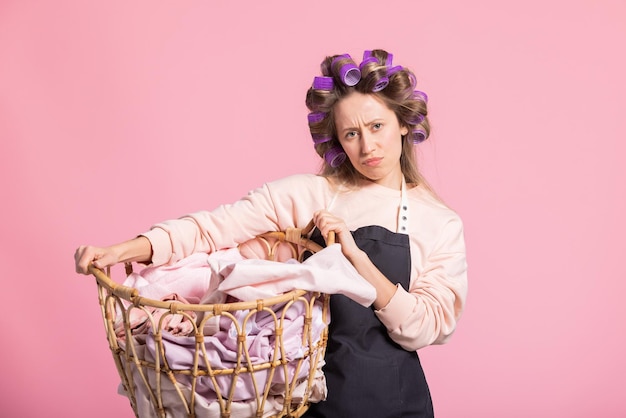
[{"x": 367, "y": 143}]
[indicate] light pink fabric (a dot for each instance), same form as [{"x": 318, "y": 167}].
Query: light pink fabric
[
  {"x": 141, "y": 320},
  {"x": 327, "y": 271},
  {"x": 210, "y": 409},
  {"x": 193, "y": 280},
  {"x": 191, "y": 277},
  {"x": 220, "y": 350}
]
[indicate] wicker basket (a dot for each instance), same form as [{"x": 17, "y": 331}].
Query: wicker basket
[{"x": 282, "y": 386}]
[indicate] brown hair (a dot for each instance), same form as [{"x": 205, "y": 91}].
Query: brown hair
[{"x": 399, "y": 95}]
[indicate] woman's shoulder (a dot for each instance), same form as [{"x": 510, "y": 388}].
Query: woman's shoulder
[
  {"x": 426, "y": 201},
  {"x": 435, "y": 222},
  {"x": 306, "y": 180},
  {"x": 300, "y": 187}
]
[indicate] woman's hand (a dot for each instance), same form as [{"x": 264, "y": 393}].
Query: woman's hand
[
  {"x": 327, "y": 222},
  {"x": 137, "y": 249},
  {"x": 100, "y": 257},
  {"x": 385, "y": 289}
]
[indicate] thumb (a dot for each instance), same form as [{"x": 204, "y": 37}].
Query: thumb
[{"x": 102, "y": 261}]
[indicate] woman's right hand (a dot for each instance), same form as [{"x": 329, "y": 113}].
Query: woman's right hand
[
  {"x": 135, "y": 250},
  {"x": 99, "y": 257}
]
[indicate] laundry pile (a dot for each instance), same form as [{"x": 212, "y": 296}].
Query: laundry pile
[{"x": 240, "y": 360}]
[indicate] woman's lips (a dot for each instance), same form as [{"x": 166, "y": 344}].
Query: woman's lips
[{"x": 372, "y": 162}]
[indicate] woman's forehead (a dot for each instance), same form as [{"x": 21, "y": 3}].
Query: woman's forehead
[{"x": 363, "y": 108}]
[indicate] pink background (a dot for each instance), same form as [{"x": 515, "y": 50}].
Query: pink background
[{"x": 115, "y": 115}]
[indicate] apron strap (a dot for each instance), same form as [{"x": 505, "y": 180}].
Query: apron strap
[{"x": 403, "y": 211}]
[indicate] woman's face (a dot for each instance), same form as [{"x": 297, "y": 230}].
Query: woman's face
[{"x": 370, "y": 135}]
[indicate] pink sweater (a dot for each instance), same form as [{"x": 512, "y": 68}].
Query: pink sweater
[{"x": 425, "y": 314}]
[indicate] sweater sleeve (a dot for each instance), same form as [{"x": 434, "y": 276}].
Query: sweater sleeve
[
  {"x": 428, "y": 312},
  {"x": 275, "y": 206}
]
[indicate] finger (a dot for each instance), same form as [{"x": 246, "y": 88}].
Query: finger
[
  {"x": 82, "y": 266},
  {"x": 85, "y": 255},
  {"x": 101, "y": 261},
  {"x": 317, "y": 216},
  {"x": 330, "y": 226},
  {"x": 79, "y": 259},
  {"x": 78, "y": 253},
  {"x": 324, "y": 218}
]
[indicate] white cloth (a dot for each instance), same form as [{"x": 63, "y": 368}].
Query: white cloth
[{"x": 327, "y": 271}]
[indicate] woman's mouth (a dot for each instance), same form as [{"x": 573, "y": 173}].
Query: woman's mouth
[{"x": 372, "y": 162}]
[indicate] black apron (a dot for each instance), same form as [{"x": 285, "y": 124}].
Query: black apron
[{"x": 368, "y": 375}]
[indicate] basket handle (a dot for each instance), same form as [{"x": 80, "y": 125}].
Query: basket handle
[
  {"x": 330, "y": 240},
  {"x": 117, "y": 289},
  {"x": 130, "y": 293}
]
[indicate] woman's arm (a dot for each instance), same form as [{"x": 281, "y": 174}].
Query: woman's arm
[
  {"x": 429, "y": 311},
  {"x": 274, "y": 206},
  {"x": 135, "y": 250},
  {"x": 203, "y": 231}
]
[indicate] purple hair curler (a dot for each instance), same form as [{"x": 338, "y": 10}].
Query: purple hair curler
[
  {"x": 392, "y": 70},
  {"x": 323, "y": 83},
  {"x": 320, "y": 138},
  {"x": 335, "y": 156},
  {"x": 381, "y": 84},
  {"x": 419, "y": 135},
  {"x": 349, "y": 73},
  {"x": 315, "y": 117},
  {"x": 366, "y": 54},
  {"x": 389, "y": 61},
  {"x": 416, "y": 120},
  {"x": 367, "y": 61},
  {"x": 420, "y": 95}
]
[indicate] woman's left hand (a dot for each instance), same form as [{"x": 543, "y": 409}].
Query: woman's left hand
[
  {"x": 385, "y": 289},
  {"x": 327, "y": 222}
]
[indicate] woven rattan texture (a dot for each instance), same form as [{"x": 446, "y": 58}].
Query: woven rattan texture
[{"x": 157, "y": 386}]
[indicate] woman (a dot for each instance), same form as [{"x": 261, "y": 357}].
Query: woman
[{"x": 364, "y": 122}]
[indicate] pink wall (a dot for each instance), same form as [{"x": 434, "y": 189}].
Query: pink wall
[{"x": 115, "y": 115}]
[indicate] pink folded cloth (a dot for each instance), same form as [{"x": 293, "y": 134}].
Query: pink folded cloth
[
  {"x": 191, "y": 278},
  {"x": 196, "y": 279},
  {"x": 141, "y": 320},
  {"x": 327, "y": 271},
  {"x": 221, "y": 350}
]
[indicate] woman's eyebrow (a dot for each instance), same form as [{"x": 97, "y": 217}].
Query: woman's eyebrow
[{"x": 356, "y": 128}]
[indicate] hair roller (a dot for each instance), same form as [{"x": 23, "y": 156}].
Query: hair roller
[
  {"x": 415, "y": 119},
  {"x": 381, "y": 84},
  {"x": 315, "y": 117},
  {"x": 320, "y": 138},
  {"x": 368, "y": 60},
  {"x": 420, "y": 95},
  {"x": 335, "y": 156},
  {"x": 323, "y": 83},
  {"x": 392, "y": 70},
  {"x": 419, "y": 135},
  {"x": 349, "y": 73},
  {"x": 389, "y": 60}
]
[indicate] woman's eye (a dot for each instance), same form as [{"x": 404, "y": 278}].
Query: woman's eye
[
  {"x": 377, "y": 126},
  {"x": 351, "y": 134}
]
